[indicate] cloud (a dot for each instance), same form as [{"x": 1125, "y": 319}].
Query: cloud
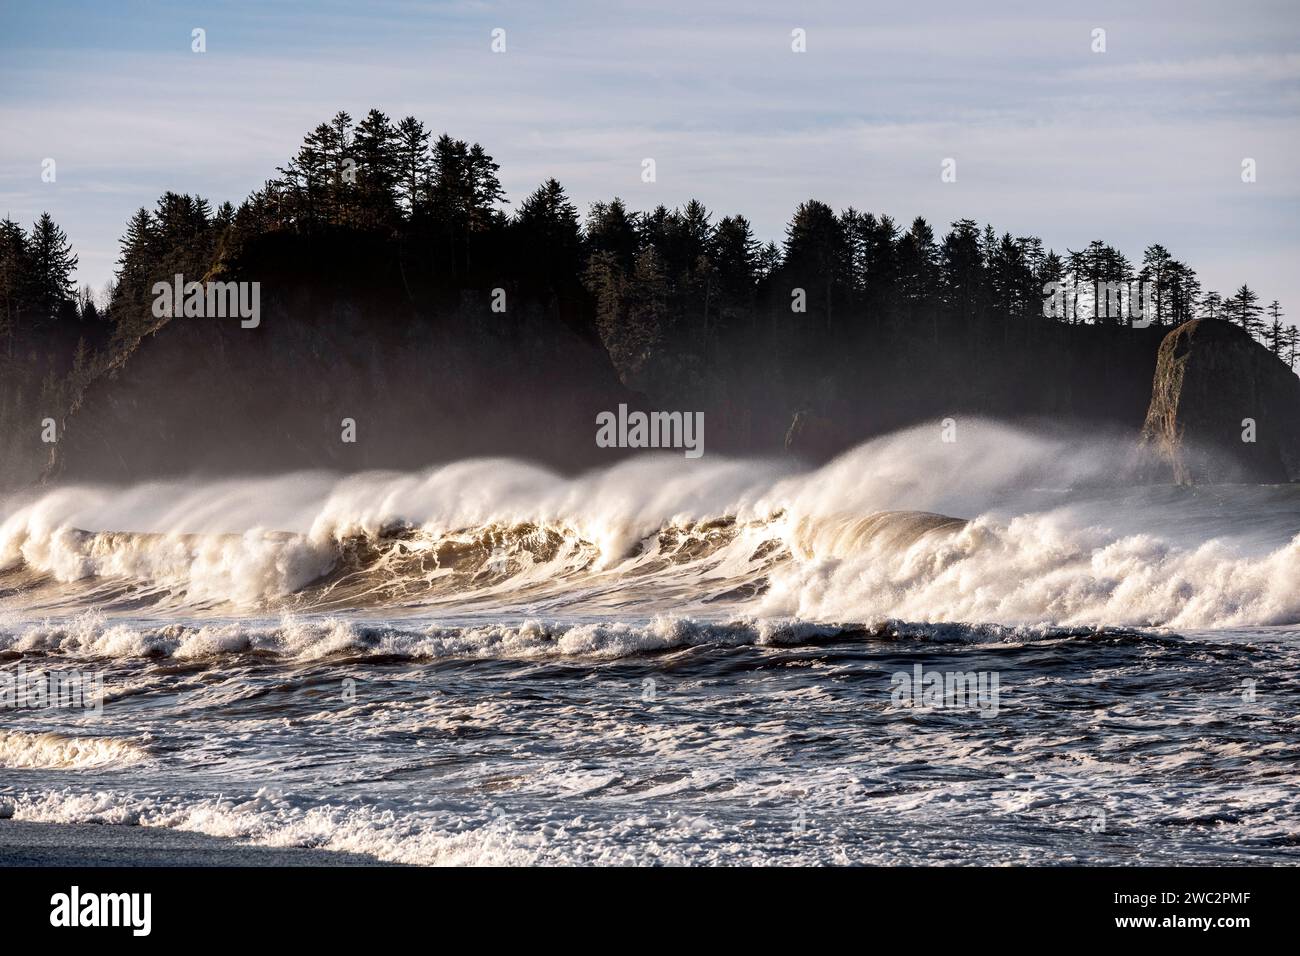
[
  {"x": 1256, "y": 68},
  {"x": 1141, "y": 144}
]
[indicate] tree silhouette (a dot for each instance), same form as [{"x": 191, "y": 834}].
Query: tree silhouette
[
  {"x": 1245, "y": 310},
  {"x": 412, "y": 166},
  {"x": 1276, "y": 331},
  {"x": 15, "y": 279},
  {"x": 673, "y": 295},
  {"x": 548, "y": 239},
  {"x": 53, "y": 263}
]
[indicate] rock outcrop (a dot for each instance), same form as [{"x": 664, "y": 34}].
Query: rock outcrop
[
  {"x": 813, "y": 438},
  {"x": 340, "y": 383},
  {"x": 1223, "y": 409}
]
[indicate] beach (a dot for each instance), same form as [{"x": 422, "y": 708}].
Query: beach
[{"x": 92, "y": 844}]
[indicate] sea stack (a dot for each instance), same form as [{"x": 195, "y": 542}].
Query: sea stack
[{"x": 1223, "y": 409}]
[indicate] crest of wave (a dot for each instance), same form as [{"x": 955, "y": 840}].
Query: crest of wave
[
  {"x": 1010, "y": 563},
  {"x": 47, "y": 751},
  {"x": 250, "y": 540}
]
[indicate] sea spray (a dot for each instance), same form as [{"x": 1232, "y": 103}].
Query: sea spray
[{"x": 904, "y": 527}]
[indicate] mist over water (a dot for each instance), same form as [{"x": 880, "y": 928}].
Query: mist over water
[{"x": 672, "y": 660}]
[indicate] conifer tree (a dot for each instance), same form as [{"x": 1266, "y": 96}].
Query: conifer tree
[
  {"x": 1245, "y": 310},
  {"x": 1276, "y": 331},
  {"x": 52, "y": 265},
  {"x": 413, "y": 167},
  {"x": 15, "y": 279}
]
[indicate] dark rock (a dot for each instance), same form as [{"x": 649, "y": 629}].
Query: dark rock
[
  {"x": 199, "y": 396},
  {"x": 813, "y": 438},
  {"x": 1212, "y": 381}
]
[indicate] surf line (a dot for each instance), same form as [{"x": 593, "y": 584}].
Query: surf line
[{"x": 651, "y": 430}]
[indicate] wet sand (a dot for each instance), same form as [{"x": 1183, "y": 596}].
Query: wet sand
[{"x": 92, "y": 844}]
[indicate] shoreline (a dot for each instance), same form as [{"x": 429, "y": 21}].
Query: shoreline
[{"x": 24, "y": 843}]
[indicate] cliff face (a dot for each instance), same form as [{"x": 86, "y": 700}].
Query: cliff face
[
  {"x": 38, "y": 369},
  {"x": 205, "y": 396},
  {"x": 1223, "y": 408},
  {"x": 450, "y": 380},
  {"x": 338, "y": 356}
]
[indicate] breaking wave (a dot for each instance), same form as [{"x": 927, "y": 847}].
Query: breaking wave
[
  {"x": 49, "y": 751},
  {"x": 1002, "y": 527}
]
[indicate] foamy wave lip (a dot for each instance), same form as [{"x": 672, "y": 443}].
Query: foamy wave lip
[
  {"x": 49, "y": 751},
  {"x": 316, "y": 639},
  {"x": 245, "y": 569},
  {"x": 1044, "y": 569},
  {"x": 477, "y": 837},
  {"x": 271, "y": 819},
  {"x": 944, "y": 633},
  {"x": 302, "y": 639},
  {"x": 867, "y": 537}
]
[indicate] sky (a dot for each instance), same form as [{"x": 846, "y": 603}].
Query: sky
[{"x": 1141, "y": 143}]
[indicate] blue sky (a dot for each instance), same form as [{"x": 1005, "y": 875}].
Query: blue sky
[{"x": 1139, "y": 144}]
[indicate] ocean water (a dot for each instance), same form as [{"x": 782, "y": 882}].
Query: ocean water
[{"x": 999, "y": 650}]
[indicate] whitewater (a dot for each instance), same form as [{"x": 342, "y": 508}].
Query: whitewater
[{"x": 672, "y": 661}]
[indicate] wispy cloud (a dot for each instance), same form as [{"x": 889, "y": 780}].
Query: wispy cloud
[
  {"x": 1255, "y": 68},
  {"x": 1140, "y": 144}
]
